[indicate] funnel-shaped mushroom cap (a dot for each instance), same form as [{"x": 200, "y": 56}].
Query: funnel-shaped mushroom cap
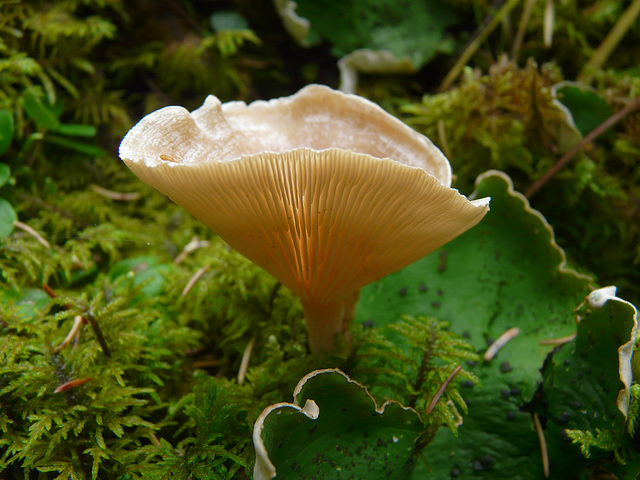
[{"x": 324, "y": 190}]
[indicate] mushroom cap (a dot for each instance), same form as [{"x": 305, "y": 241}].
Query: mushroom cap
[
  {"x": 316, "y": 117},
  {"x": 355, "y": 196}
]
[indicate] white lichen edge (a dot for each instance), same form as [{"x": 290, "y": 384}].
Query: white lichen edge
[
  {"x": 362, "y": 60},
  {"x": 264, "y": 469},
  {"x": 597, "y": 299},
  {"x": 297, "y": 26},
  {"x": 570, "y": 134},
  {"x": 365, "y": 60},
  {"x": 562, "y": 266}
]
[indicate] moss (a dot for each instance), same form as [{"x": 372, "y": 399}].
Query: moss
[{"x": 150, "y": 390}]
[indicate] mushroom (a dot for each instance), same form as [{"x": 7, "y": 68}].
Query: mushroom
[{"x": 324, "y": 190}]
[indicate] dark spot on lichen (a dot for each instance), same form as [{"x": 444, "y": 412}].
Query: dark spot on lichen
[
  {"x": 467, "y": 383},
  {"x": 368, "y": 323},
  {"x": 466, "y": 334},
  {"x": 318, "y": 459},
  {"x": 505, "y": 367},
  {"x": 422, "y": 288},
  {"x": 472, "y": 363},
  {"x": 402, "y": 292},
  {"x": 436, "y": 304},
  {"x": 515, "y": 391},
  {"x": 504, "y": 392},
  {"x": 487, "y": 462},
  {"x": 455, "y": 472},
  {"x": 313, "y": 429},
  {"x": 442, "y": 260},
  {"x": 563, "y": 418},
  {"x": 511, "y": 415}
]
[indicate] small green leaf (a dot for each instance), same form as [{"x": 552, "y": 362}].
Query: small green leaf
[
  {"x": 228, "y": 20},
  {"x": 82, "y": 147},
  {"x": 8, "y": 217},
  {"x": 586, "y": 382},
  {"x": 145, "y": 271},
  {"x": 412, "y": 29},
  {"x": 5, "y": 173},
  {"x": 6, "y": 130},
  {"x": 40, "y": 112},
  {"x": 77, "y": 130},
  {"x": 587, "y": 108},
  {"x": 28, "y": 302},
  {"x": 339, "y": 433}
]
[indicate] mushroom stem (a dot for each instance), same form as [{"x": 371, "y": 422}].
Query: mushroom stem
[{"x": 325, "y": 321}]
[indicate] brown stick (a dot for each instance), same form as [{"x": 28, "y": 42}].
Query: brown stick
[
  {"x": 72, "y": 384},
  {"x": 441, "y": 390},
  {"x": 99, "y": 336},
  {"x": 543, "y": 445}
]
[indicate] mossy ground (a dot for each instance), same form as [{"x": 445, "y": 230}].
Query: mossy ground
[{"x": 158, "y": 396}]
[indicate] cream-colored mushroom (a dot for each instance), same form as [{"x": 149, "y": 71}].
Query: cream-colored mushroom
[{"x": 324, "y": 190}]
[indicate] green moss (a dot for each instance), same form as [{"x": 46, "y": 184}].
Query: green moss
[
  {"x": 155, "y": 392},
  {"x": 408, "y": 361}
]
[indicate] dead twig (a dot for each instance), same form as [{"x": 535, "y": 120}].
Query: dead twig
[
  {"x": 194, "y": 244},
  {"x": 610, "y": 42},
  {"x": 522, "y": 28},
  {"x": 473, "y": 46},
  {"x": 500, "y": 342},
  {"x": 72, "y": 384},
  {"x": 127, "y": 197},
  {"x": 78, "y": 321},
  {"x": 192, "y": 281},
  {"x": 33, "y": 233},
  {"x": 543, "y": 445},
  {"x": 558, "y": 341},
  {"x": 441, "y": 390},
  {"x": 92, "y": 321},
  {"x": 244, "y": 363}
]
